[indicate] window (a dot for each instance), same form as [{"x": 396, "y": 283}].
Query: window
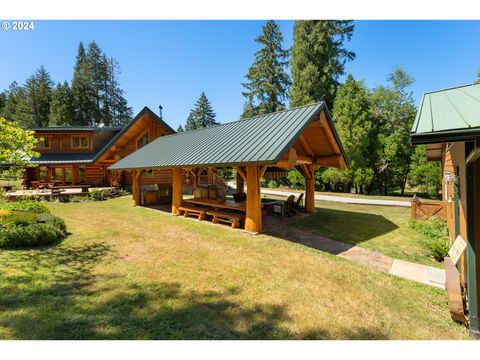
[
  {"x": 80, "y": 142},
  {"x": 148, "y": 173},
  {"x": 44, "y": 143},
  {"x": 143, "y": 140},
  {"x": 81, "y": 171},
  {"x": 43, "y": 172}
]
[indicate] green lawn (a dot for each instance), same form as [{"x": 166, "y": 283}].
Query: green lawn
[
  {"x": 135, "y": 273},
  {"x": 380, "y": 228}
]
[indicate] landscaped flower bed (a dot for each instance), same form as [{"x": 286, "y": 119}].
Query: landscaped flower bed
[{"x": 29, "y": 224}]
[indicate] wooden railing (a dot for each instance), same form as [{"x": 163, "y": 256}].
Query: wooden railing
[
  {"x": 425, "y": 210},
  {"x": 212, "y": 179}
]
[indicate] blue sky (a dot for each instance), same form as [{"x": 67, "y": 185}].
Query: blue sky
[{"x": 171, "y": 62}]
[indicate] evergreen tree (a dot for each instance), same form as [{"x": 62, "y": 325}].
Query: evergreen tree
[
  {"x": 14, "y": 95},
  {"x": 96, "y": 92},
  {"x": 191, "y": 123},
  {"x": 201, "y": 115},
  {"x": 268, "y": 80},
  {"x": 34, "y": 108},
  {"x": 115, "y": 107},
  {"x": 98, "y": 80},
  {"x": 61, "y": 107},
  {"x": 83, "y": 99},
  {"x": 477, "y": 81},
  {"x": 318, "y": 59},
  {"x": 180, "y": 129},
  {"x": 3, "y": 100},
  {"x": 352, "y": 116}
]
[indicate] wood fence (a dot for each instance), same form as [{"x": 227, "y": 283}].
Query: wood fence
[{"x": 425, "y": 210}]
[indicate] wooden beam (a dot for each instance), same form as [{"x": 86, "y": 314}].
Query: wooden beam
[
  {"x": 332, "y": 141},
  {"x": 330, "y": 161},
  {"x": 262, "y": 170},
  {"x": 241, "y": 172},
  {"x": 240, "y": 183},
  {"x": 136, "y": 196},
  {"x": 305, "y": 171},
  {"x": 305, "y": 159},
  {"x": 253, "y": 219},
  {"x": 306, "y": 146},
  {"x": 177, "y": 195},
  {"x": 289, "y": 160},
  {"x": 310, "y": 188}
]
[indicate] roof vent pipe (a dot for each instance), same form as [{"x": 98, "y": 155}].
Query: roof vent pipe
[{"x": 160, "y": 111}]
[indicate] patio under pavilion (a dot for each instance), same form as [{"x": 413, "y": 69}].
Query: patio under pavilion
[{"x": 303, "y": 138}]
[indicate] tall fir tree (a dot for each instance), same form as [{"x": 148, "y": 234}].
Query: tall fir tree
[
  {"x": 353, "y": 120},
  {"x": 83, "y": 99},
  {"x": 33, "y": 109},
  {"x": 3, "y": 100},
  {"x": 96, "y": 92},
  {"x": 202, "y": 115},
  {"x": 61, "y": 108},
  {"x": 115, "y": 107},
  {"x": 268, "y": 80},
  {"x": 318, "y": 60},
  {"x": 180, "y": 129},
  {"x": 14, "y": 95}
]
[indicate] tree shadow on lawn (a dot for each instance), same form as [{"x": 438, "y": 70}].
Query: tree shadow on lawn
[
  {"x": 345, "y": 228},
  {"x": 48, "y": 294}
]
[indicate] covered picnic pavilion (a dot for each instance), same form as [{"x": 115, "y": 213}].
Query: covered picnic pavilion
[{"x": 303, "y": 138}]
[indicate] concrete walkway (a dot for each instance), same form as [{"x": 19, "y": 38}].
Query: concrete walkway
[
  {"x": 377, "y": 261},
  {"x": 341, "y": 199}
]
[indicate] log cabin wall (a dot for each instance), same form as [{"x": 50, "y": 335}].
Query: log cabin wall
[{"x": 453, "y": 161}]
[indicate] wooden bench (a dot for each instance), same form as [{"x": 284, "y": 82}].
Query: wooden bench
[
  {"x": 199, "y": 212},
  {"x": 227, "y": 217}
]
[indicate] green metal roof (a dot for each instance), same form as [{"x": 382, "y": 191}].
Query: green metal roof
[
  {"x": 91, "y": 157},
  {"x": 448, "y": 115},
  {"x": 77, "y": 128},
  {"x": 258, "y": 140},
  {"x": 63, "y": 158}
]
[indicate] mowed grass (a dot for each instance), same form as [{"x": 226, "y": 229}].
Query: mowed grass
[
  {"x": 135, "y": 273},
  {"x": 380, "y": 228}
]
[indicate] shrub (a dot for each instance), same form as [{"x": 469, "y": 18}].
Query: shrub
[
  {"x": 53, "y": 220},
  {"x": 273, "y": 184},
  {"x": 438, "y": 248},
  {"x": 27, "y": 205},
  {"x": 19, "y": 218},
  {"x": 30, "y": 235},
  {"x": 433, "y": 228},
  {"x": 333, "y": 177},
  {"x": 437, "y": 231},
  {"x": 296, "y": 180},
  {"x": 98, "y": 195}
]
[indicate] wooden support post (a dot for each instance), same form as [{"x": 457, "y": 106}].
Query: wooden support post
[
  {"x": 253, "y": 220},
  {"x": 177, "y": 195},
  {"x": 240, "y": 184},
  {"x": 136, "y": 194},
  {"x": 310, "y": 189}
]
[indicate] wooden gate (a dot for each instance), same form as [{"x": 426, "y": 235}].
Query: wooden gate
[{"x": 425, "y": 210}]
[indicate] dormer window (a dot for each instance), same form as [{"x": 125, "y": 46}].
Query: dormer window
[
  {"x": 143, "y": 140},
  {"x": 44, "y": 143},
  {"x": 80, "y": 142}
]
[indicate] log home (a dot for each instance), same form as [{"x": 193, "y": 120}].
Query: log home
[
  {"x": 81, "y": 155},
  {"x": 448, "y": 124}
]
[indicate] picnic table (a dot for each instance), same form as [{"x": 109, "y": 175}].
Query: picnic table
[{"x": 228, "y": 204}]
